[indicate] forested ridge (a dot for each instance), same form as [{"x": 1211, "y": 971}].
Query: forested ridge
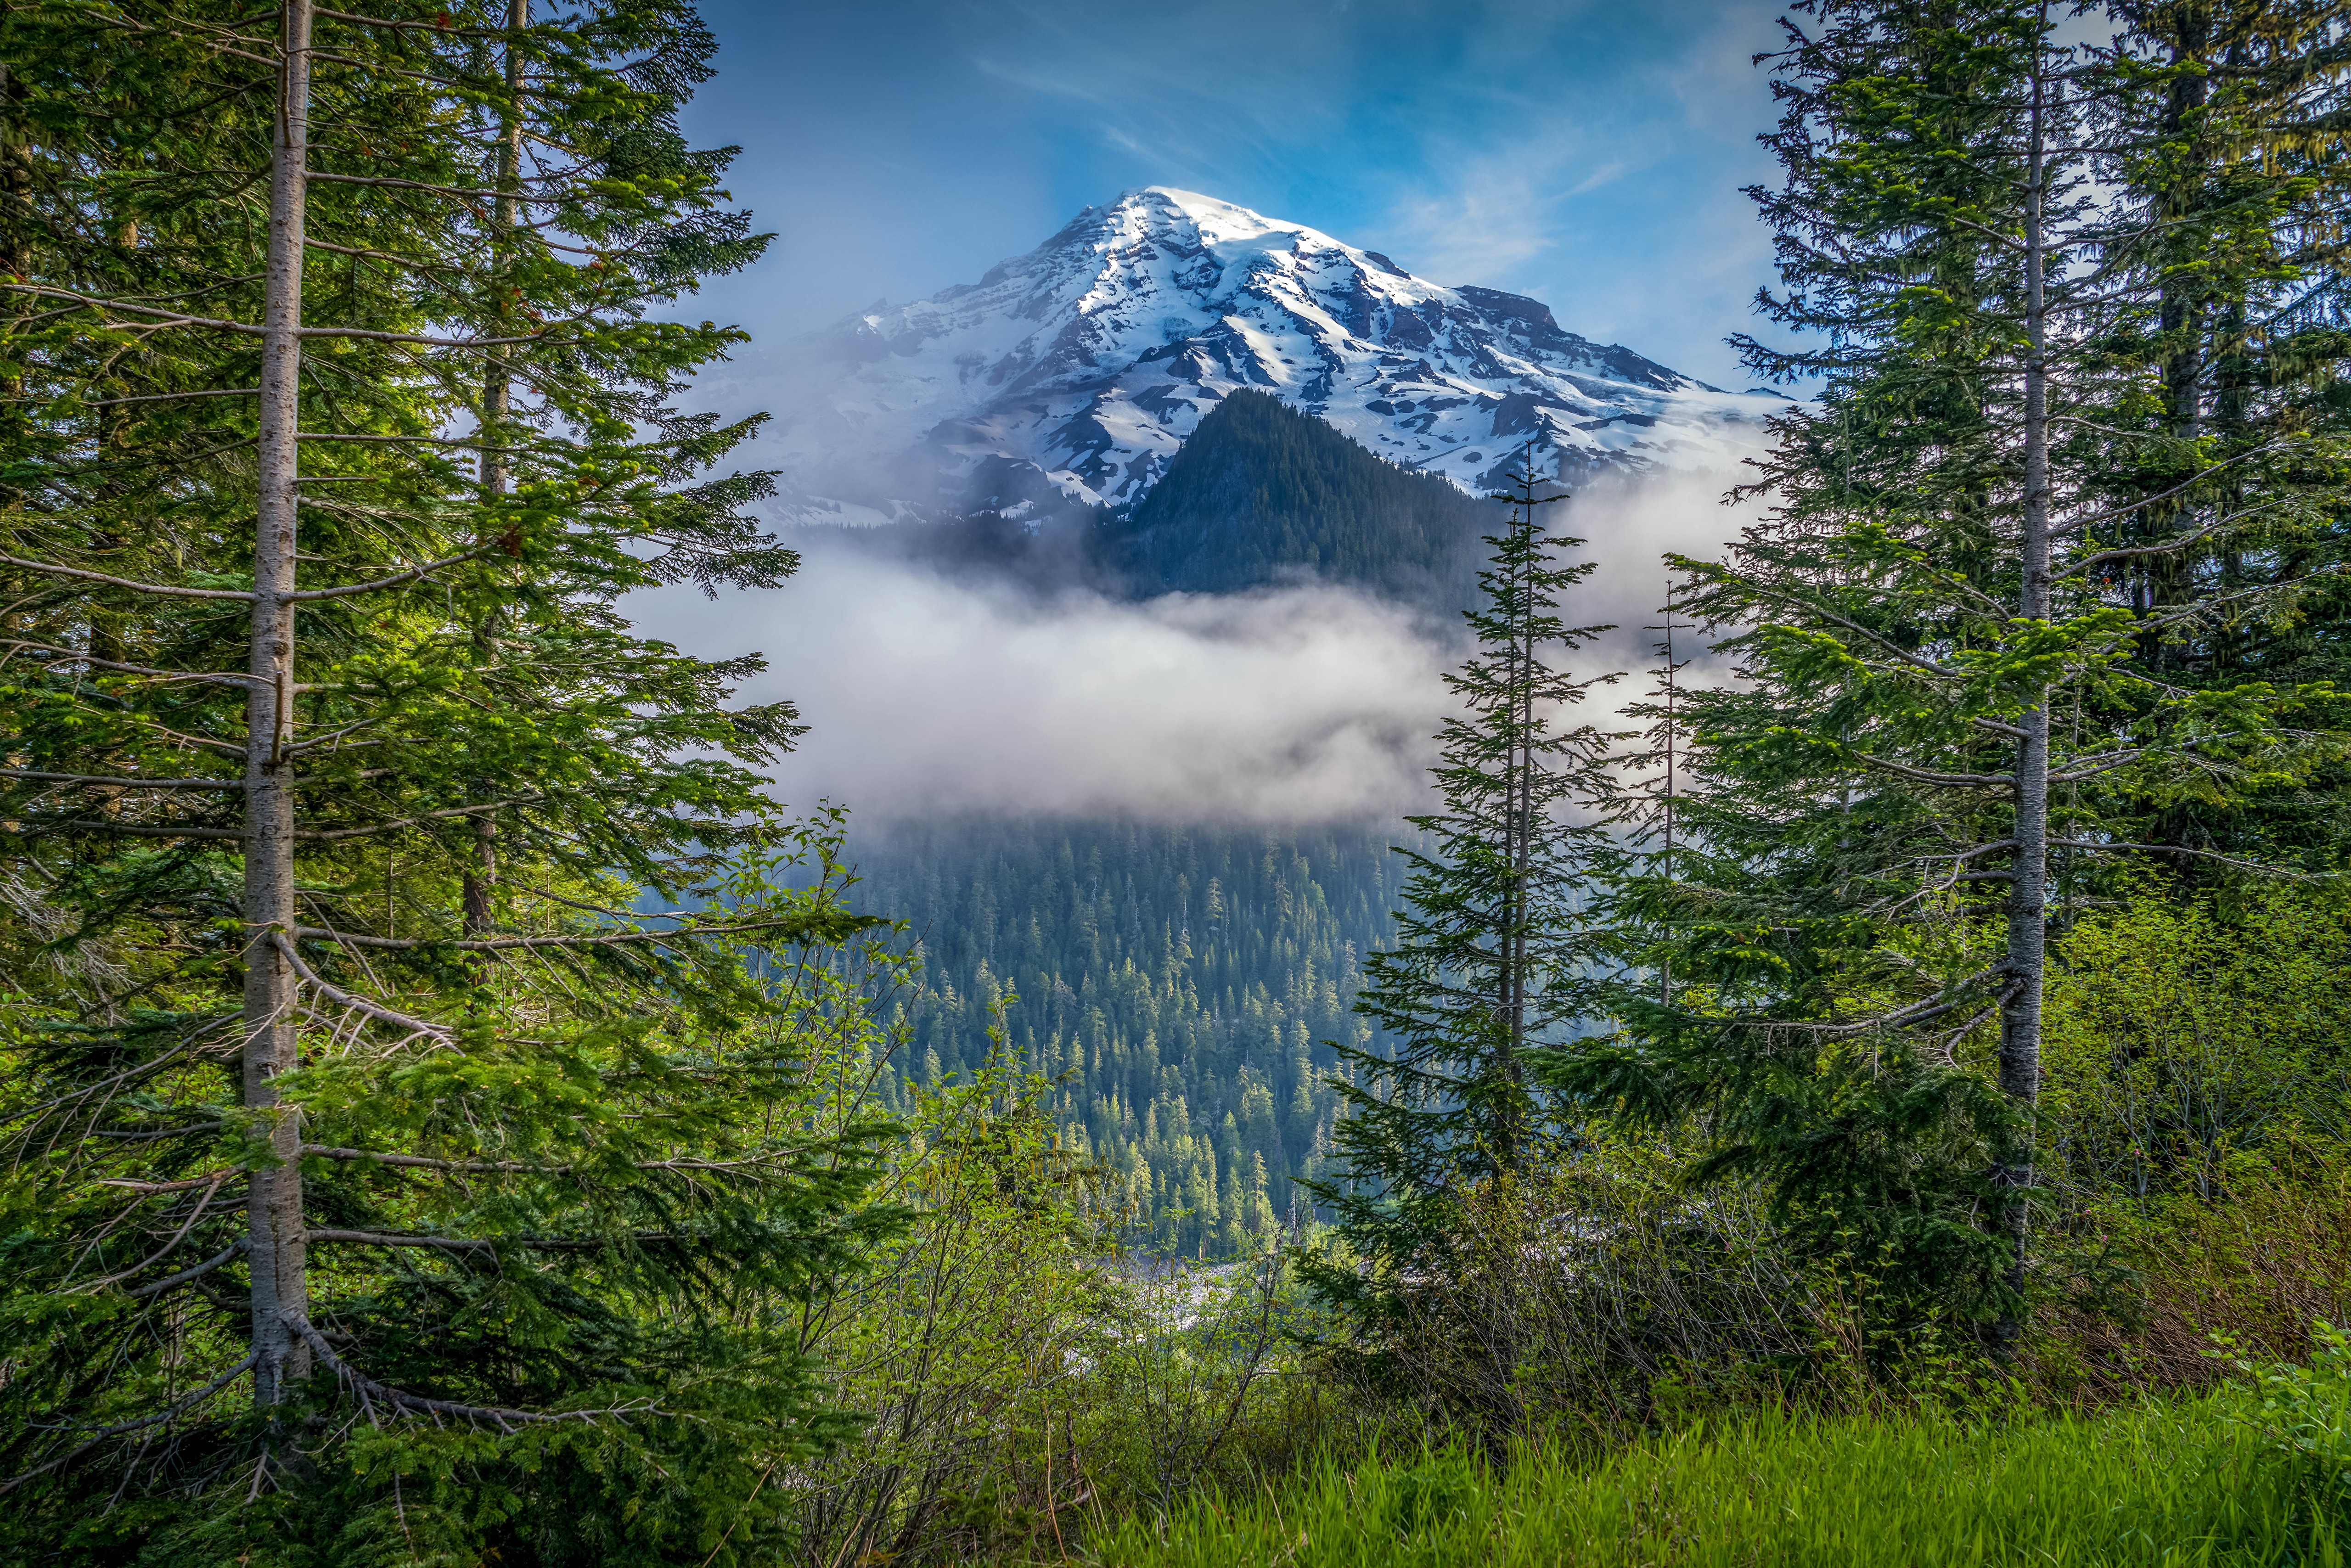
[{"x": 1261, "y": 492}]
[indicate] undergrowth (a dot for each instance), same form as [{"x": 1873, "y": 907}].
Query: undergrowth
[{"x": 2227, "y": 1477}]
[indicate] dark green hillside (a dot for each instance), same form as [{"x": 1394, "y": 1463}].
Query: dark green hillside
[
  {"x": 1261, "y": 491},
  {"x": 1184, "y": 979}
]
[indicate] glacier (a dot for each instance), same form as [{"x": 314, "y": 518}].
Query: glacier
[{"x": 1067, "y": 377}]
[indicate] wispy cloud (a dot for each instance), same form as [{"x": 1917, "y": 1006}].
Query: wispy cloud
[
  {"x": 1485, "y": 224},
  {"x": 1612, "y": 191},
  {"x": 928, "y": 694}
]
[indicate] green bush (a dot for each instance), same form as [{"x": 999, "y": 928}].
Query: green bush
[{"x": 2187, "y": 1041}]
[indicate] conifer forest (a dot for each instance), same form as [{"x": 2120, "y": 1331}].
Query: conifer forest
[{"x": 1452, "y": 946}]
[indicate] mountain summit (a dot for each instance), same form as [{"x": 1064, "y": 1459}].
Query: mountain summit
[{"x": 1070, "y": 375}]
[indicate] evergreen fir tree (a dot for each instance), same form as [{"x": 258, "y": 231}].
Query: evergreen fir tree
[
  {"x": 340, "y": 1080},
  {"x": 2233, "y": 347},
  {"x": 1495, "y": 961},
  {"x": 1859, "y": 915}
]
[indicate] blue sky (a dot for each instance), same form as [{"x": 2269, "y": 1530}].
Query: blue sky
[{"x": 1589, "y": 154}]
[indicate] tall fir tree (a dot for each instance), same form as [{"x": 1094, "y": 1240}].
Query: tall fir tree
[
  {"x": 339, "y": 1073},
  {"x": 2227, "y": 117},
  {"x": 1496, "y": 961},
  {"x": 1859, "y": 923}
]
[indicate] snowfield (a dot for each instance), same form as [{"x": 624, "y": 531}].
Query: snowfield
[{"x": 1072, "y": 374}]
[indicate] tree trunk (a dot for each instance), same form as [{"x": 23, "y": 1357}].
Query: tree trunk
[
  {"x": 2028, "y": 932},
  {"x": 274, "y": 1212}
]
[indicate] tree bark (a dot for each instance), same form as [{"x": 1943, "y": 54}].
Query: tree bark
[
  {"x": 2028, "y": 931},
  {"x": 274, "y": 1209}
]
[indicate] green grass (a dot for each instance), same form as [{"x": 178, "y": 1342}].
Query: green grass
[{"x": 2175, "y": 1483}]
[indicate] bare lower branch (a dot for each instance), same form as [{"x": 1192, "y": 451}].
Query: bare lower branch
[
  {"x": 180, "y": 318},
  {"x": 381, "y": 1239},
  {"x": 469, "y": 446},
  {"x": 1950, "y": 780},
  {"x": 369, "y": 1391},
  {"x": 2059, "y": 530},
  {"x": 360, "y": 1004},
  {"x": 311, "y": 594},
  {"x": 173, "y": 397},
  {"x": 211, "y": 1186},
  {"x": 503, "y": 943},
  {"x": 112, "y": 783},
  {"x": 148, "y": 1188},
  {"x": 512, "y": 1167},
  {"x": 2165, "y": 547},
  {"x": 461, "y": 191},
  {"x": 2206, "y": 607},
  {"x": 332, "y": 834},
  {"x": 186, "y": 1276},
  {"x": 2265, "y": 869},
  {"x": 76, "y": 573},
  {"x": 100, "y": 1434},
  {"x": 136, "y": 830},
  {"x": 1947, "y": 1000}
]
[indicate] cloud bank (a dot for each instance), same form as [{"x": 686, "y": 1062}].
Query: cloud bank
[
  {"x": 1628, "y": 524},
  {"x": 931, "y": 697},
  {"x": 927, "y": 696}
]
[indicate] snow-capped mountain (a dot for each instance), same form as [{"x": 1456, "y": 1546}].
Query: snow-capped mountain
[{"x": 1073, "y": 372}]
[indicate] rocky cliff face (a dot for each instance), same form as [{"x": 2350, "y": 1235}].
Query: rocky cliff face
[{"x": 1069, "y": 376}]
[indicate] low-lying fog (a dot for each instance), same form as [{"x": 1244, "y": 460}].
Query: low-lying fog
[{"x": 927, "y": 695}]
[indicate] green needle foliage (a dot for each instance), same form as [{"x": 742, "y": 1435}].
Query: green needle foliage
[
  {"x": 383, "y": 1177},
  {"x": 2226, "y": 117},
  {"x": 1956, "y": 708},
  {"x": 1494, "y": 956}
]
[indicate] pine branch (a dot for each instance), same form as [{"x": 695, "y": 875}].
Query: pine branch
[
  {"x": 155, "y": 588},
  {"x": 504, "y": 1418},
  {"x": 100, "y": 1434}
]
